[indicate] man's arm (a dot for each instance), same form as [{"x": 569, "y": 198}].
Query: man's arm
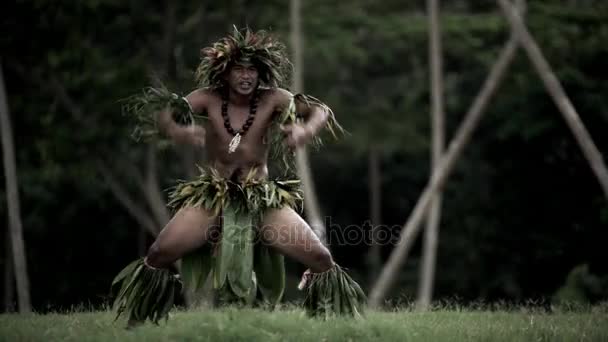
[
  {"x": 191, "y": 134},
  {"x": 315, "y": 117}
]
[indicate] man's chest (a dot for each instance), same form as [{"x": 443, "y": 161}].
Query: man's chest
[{"x": 249, "y": 123}]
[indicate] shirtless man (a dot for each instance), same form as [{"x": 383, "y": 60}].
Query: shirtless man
[
  {"x": 239, "y": 92},
  {"x": 189, "y": 228}
]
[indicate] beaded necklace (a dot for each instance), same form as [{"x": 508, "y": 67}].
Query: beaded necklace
[{"x": 236, "y": 140}]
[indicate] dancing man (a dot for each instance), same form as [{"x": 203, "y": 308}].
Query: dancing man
[{"x": 236, "y": 220}]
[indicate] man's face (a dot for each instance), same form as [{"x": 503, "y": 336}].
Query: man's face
[{"x": 243, "y": 78}]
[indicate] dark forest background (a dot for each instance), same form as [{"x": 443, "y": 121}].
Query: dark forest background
[{"x": 520, "y": 212}]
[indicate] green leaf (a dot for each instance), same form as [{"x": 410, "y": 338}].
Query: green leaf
[
  {"x": 241, "y": 268},
  {"x": 226, "y": 247},
  {"x": 125, "y": 272},
  {"x": 269, "y": 268}
]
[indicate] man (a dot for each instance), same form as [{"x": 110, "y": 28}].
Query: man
[{"x": 233, "y": 204}]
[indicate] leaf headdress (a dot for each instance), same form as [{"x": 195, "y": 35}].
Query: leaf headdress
[{"x": 260, "y": 48}]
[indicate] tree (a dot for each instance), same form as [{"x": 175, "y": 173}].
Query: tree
[
  {"x": 12, "y": 200},
  {"x": 427, "y": 274},
  {"x": 9, "y": 276},
  {"x": 311, "y": 205}
]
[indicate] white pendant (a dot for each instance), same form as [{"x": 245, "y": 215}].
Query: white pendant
[{"x": 234, "y": 143}]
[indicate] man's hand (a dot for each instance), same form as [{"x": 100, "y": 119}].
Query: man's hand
[
  {"x": 296, "y": 135},
  {"x": 188, "y": 135}
]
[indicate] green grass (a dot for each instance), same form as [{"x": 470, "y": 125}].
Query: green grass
[{"x": 292, "y": 324}]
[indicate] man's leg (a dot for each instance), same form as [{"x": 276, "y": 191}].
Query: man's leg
[
  {"x": 329, "y": 290},
  {"x": 186, "y": 231},
  {"x": 286, "y": 231}
]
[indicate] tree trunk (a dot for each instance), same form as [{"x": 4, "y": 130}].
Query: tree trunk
[
  {"x": 440, "y": 174},
  {"x": 152, "y": 190},
  {"x": 9, "y": 277},
  {"x": 311, "y": 205},
  {"x": 554, "y": 88},
  {"x": 374, "y": 258},
  {"x": 12, "y": 200},
  {"x": 427, "y": 274}
]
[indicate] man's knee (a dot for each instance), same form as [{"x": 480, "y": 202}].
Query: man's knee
[
  {"x": 156, "y": 257},
  {"x": 322, "y": 260}
]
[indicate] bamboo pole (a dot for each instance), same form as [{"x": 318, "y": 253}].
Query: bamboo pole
[
  {"x": 439, "y": 176},
  {"x": 431, "y": 234},
  {"x": 12, "y": 201},
  {"x": 311, "y": 205},
  {"x": 557, "y": 93}
]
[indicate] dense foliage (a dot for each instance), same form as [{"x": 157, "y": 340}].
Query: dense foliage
[{"x": 520, "y": 211}]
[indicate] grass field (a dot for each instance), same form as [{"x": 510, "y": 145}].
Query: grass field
[{"x": 235, "y": 324}]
